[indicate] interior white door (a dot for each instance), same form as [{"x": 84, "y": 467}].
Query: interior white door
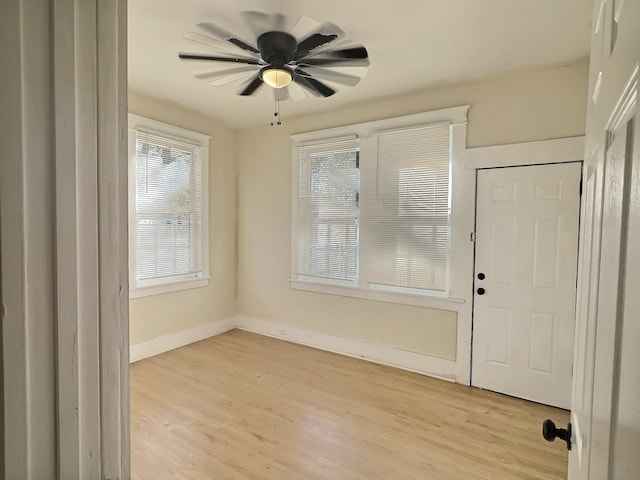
[
  {"x": 605, "y": 412},
  {"x": 526, "y": 258}
]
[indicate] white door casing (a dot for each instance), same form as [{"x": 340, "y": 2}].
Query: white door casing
[
  {"x": 605, "y": 412},
  {"x": 600, "y": 310},
  {"x": 63, "y": 217},
  {"x": 588, "y": 282},
  {"x": 607, "y": 294},
  {"x": 526, "y": 245}
]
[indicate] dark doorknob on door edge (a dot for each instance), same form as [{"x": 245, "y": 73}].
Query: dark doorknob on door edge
[
  {"x": 481, "y": 291},
  {"x": 481, "y": 276},
  {"x": 550, "y": 432}
]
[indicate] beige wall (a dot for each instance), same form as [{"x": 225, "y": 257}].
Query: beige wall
[
  {"x": 156, "y": 315},
  {"x": 520, "y": 107}
]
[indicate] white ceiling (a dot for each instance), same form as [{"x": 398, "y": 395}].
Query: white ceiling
[{"x": 412, "y": 45}]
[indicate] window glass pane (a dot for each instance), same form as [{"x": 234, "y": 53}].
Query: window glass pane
[
  {"x": 168, "y": 208},
  {"x": 328, "y": 205},
  {"x": 409, "y": 229}
]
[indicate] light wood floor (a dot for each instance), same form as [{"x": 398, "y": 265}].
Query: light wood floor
[{"x": 243, "y": 406}]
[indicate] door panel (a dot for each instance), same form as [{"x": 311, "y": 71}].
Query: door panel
[
  {"x": 545, "y": 252},
  {"x": 542, "y": 339},
  {"x": 498, "y": 350},
  {"x": 502, "y": 258},
  {"x": 526, "y": 245}
]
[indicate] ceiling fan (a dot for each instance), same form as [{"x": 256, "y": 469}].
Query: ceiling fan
[{"x": 309, "y": 57}]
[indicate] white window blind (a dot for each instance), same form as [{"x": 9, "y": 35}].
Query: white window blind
[
  {"x": 168, "y": 209},
  {"x": 327, "y": 210},
  {"x": 409, "y": 227}
]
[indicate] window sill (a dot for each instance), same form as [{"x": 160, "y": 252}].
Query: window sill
[
  {"x": 419, "y": 300},
  {"x": 174, "y": 286}
]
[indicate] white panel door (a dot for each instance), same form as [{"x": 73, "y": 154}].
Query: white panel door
[
  {"x": 605, "y": 410},
  {"x": 525, "y": 286}
]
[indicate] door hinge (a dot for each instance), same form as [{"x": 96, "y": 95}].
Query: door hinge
[
  {"x": 472, "y": 237},
  {"x": 580, "y": 188}
]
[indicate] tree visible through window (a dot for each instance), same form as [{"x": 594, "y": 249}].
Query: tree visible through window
[
  {"x": 166, "y": 220},
  {"x": 401, "y": 243},
  {"x": 328, "y": 212}
]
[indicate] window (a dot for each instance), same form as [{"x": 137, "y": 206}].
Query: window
[
  {"x": 372, "y": 208},
  {"x": 168, "y": 232},
  {"x": 328, "y": 198},
  {"x": 410, "y": 223}
]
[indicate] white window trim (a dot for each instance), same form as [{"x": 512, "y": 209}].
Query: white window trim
[
  {"x": 382, "y": 295},
  {"x": 461, "y": 249},
  {"x": 168, "y": 287},
  {"x": 157, "y": 287}
]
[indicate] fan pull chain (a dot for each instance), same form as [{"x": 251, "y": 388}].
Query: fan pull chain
[
  {"x": 276, "y": 112},
  {"x": 276, "y": 107}
]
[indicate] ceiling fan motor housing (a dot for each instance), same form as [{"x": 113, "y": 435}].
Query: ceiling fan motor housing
[{"x": 277, "y": 48}]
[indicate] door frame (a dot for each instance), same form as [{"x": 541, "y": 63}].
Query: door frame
[
  {"x": 545, "y": 152},
  {"x": 579, "y": 163},
  {"x": 63, "y": 217}
]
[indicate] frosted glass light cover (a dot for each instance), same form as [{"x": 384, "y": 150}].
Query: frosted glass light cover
[{"x": 276, "y": 77}]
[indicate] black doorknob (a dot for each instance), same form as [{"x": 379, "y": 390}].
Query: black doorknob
[
  {"x": 550, "y": 432},
  {"x": 481, "y": 276},
  {"x": 481, "y": 291}
]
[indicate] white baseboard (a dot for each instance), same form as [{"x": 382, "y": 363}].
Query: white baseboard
[
  {"x": 374, "y": 352},
  {"x": 395, "y": 357},
  {"x": 168, "y": 342}
]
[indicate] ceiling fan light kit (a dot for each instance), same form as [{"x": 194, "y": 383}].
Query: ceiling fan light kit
[
  {"x": 292, "y": 64},
  {"x": 276, "y": 77}
]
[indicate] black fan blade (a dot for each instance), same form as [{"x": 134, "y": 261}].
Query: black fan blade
[
  {"x": 312, "y": 42},
  {"x": 328, "y": 75},
  {"x": 223, "y": 34},
  {"x": 243, "y": 45},
  {"x": 220, "y": 46},
  {"x": 304, "y": 27},
  {"x": 316, "y": 87},
  {"x": 213, "y": 58},
  {"x": 253, "y": 86},
  {"x": 352, "y": 53}
]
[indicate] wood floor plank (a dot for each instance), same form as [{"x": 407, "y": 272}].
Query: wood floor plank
[{"x": 242, "y": 406}]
